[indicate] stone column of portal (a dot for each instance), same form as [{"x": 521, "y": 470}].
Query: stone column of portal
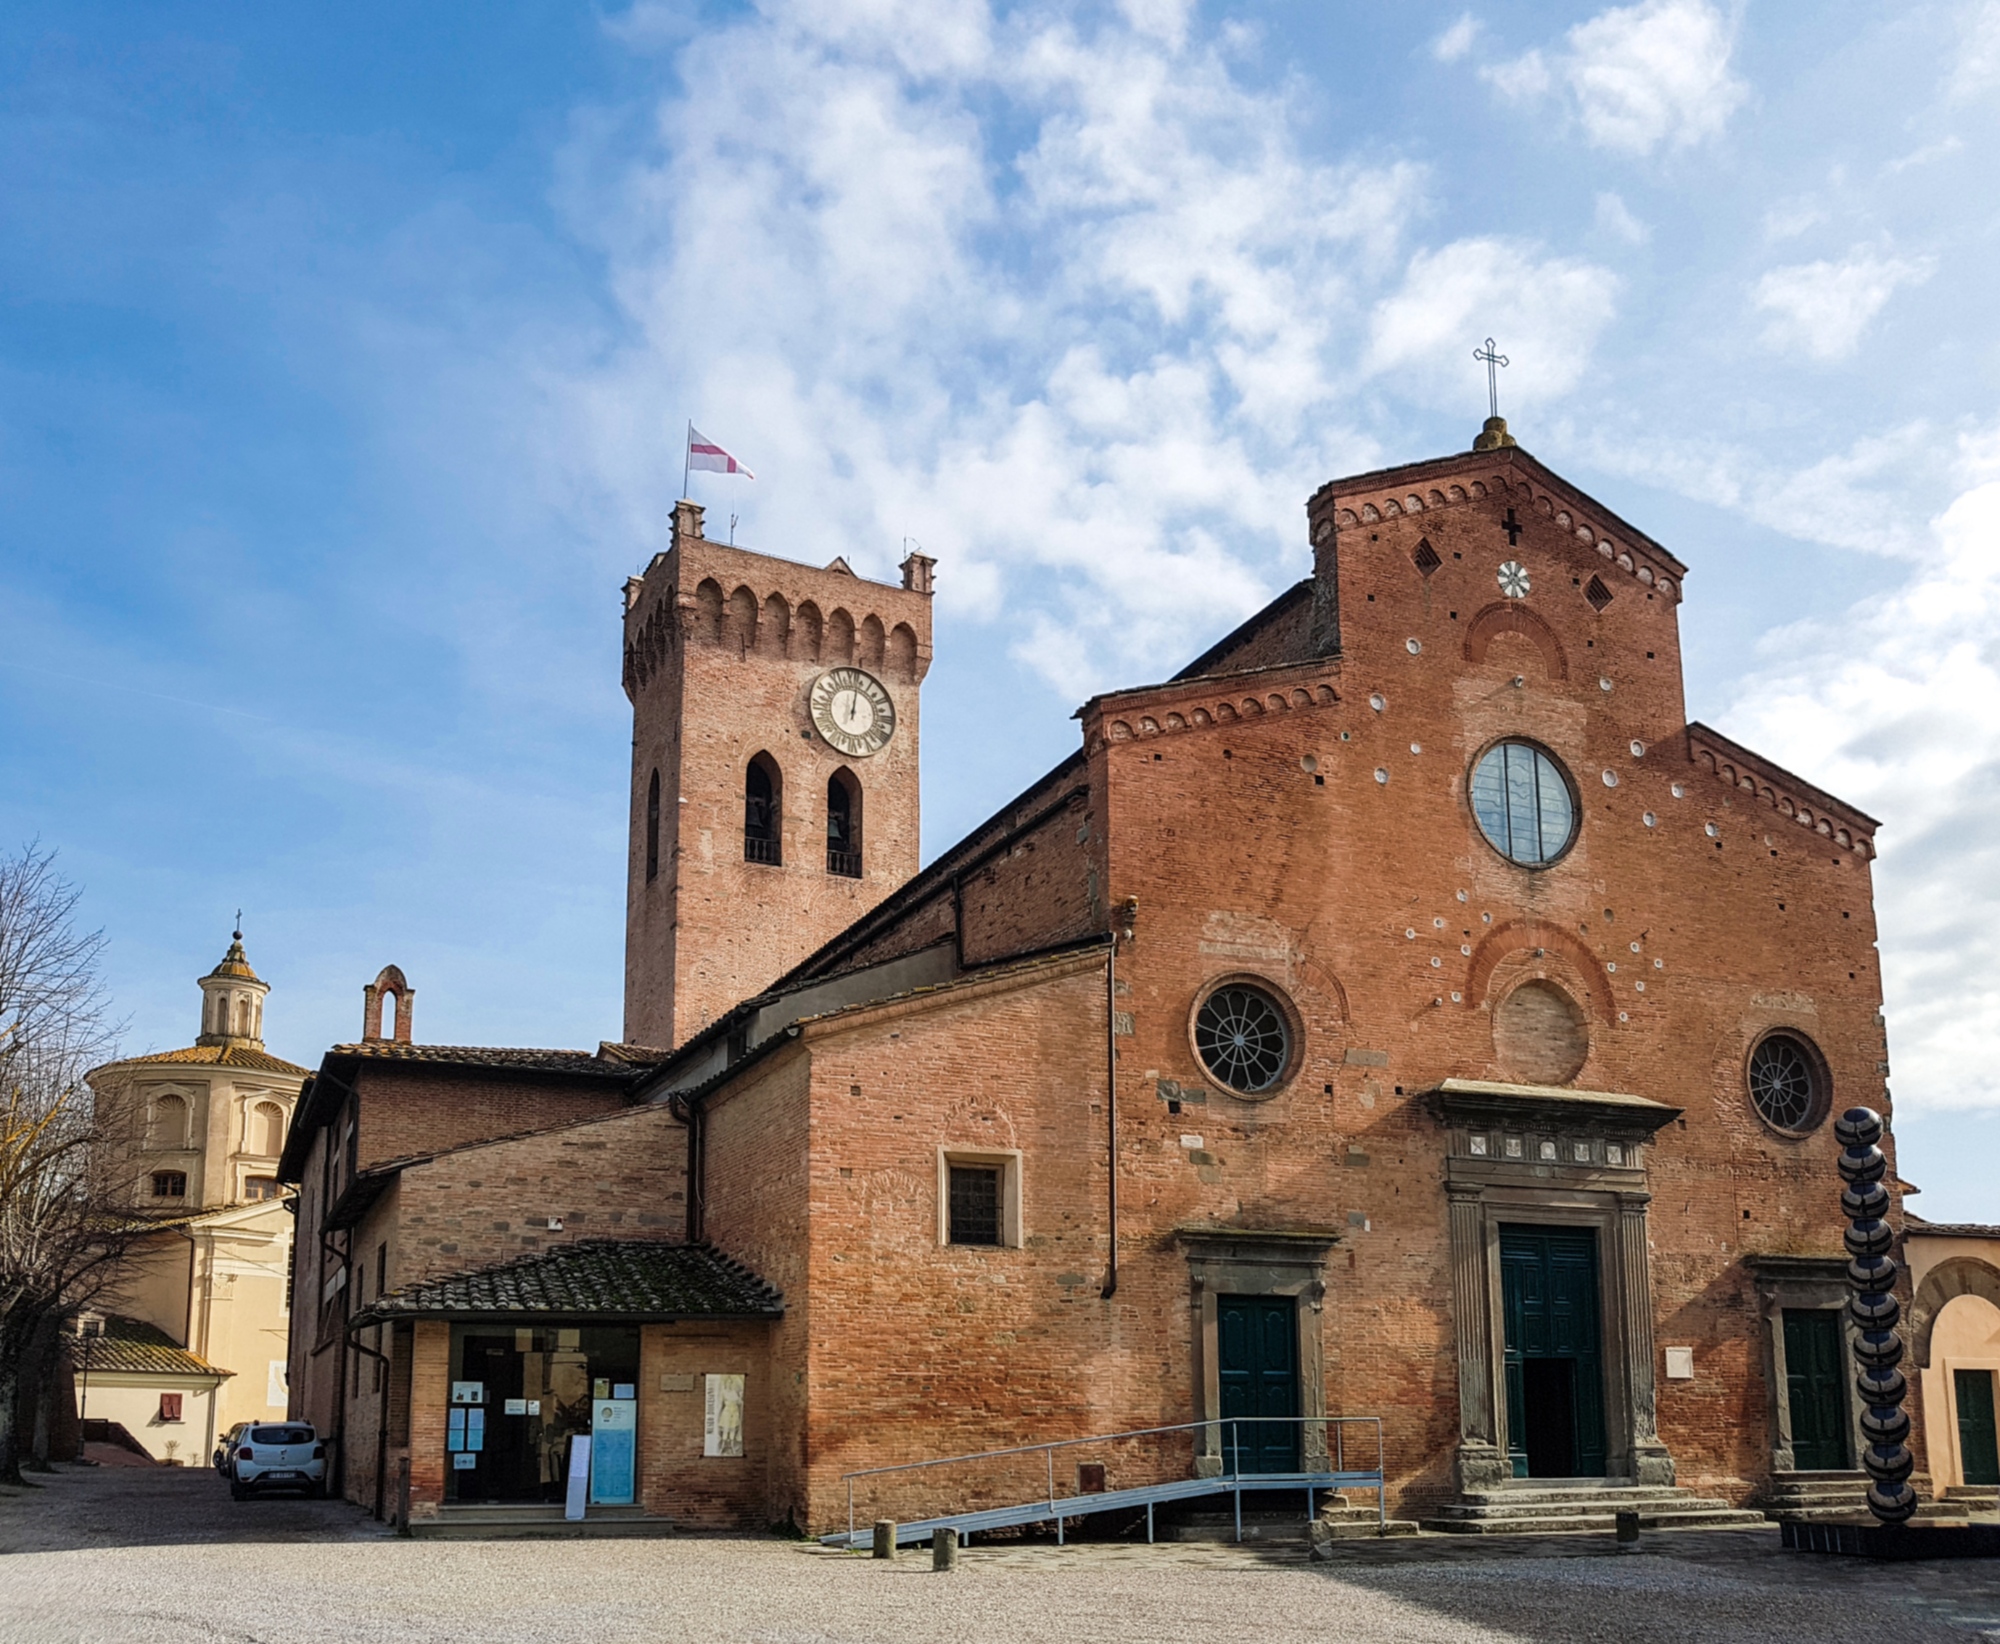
[
  {"x": 1650, "y": 1462},
  {"x": 1481, "y": 1462}
]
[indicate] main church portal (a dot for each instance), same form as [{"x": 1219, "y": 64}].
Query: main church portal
[{"x": 1554, "y": 1352}]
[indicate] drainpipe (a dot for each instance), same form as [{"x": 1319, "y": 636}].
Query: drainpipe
[{"x": 1128, "y": 915}]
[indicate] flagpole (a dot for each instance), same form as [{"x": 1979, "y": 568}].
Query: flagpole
[{"x": 687, "y": 460}]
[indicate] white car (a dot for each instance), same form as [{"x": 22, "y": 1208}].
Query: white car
[{"x": 279, "y": 1455}]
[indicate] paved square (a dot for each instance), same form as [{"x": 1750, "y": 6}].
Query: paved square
[{"x": 165, "y": 1557}]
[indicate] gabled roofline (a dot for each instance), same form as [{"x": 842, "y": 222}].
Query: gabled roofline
[
  {"x": 1857, "y": 820},
  {"x": 1299, "y": 593},
  {"x": 1511, "y": 456}
]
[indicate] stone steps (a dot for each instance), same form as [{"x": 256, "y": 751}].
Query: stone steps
[
  {"x": 1556, "y": 1509},
  {"x": 516, "y": 1521},
  {"x": 1339, "y": 1521},
  {"x": 1824, "y": 1497}
]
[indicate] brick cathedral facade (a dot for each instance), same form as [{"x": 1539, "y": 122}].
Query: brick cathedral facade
[{"x": 1403, "y": 1012}]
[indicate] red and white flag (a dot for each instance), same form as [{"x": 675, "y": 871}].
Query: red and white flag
[{"x": 710, "y": 458}]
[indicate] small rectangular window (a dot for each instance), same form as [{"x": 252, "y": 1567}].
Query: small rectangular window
[
  {"x": 170, "y": 1184},
  {"x": 975, "y": 1204},
  {"x": 170, "y": 1406}
]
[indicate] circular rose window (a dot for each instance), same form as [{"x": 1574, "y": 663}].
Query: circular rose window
[
  {"x": 1787, "y": 1085},
  {"x": 1524, "y": 802},
  {"x": 1243, "y": 1038}
]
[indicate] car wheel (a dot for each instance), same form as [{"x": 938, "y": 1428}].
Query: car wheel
[
  {"x": 238, "y": 1492},
  {"x": 316, "y": 1492}
]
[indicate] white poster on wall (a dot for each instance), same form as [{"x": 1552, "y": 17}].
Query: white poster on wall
[
  {"x": 722, "y": 1420},
  {"x": 277, "y": 1385}
]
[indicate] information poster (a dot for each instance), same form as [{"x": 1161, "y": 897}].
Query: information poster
[
  {"x": 722, "y": 1419},
  {"x": 578, "y": 1483},
  {"x": 614, "y": 1432}
]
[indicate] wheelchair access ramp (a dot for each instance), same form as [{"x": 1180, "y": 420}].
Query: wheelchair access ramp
[{"x": 1169, "y": 1459}]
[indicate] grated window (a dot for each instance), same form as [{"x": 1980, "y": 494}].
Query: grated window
[
  {"x": 1598, "y": 595},
  {"x": 1427, "y": 557},
  {"x": 1785, "y": 1084},
  {"x": 975, "y": 1204},
  {"x": 1243, "y": 1039}
]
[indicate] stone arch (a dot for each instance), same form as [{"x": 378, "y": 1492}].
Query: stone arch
[
  {"x": 1577, "y": 969},
  {"x": 739, "y": 622},
  {"x": 843, "y": 824},
  {"x": 1509, "y": 616},
  {"x": 774, "y": 631},
  {"x": 708, "y": 612},
  {"x": 838, "y": 643},
  {"x": 902, "y": 663},
  {"x": 388, "y": 985},
  {"x": 873, "y": 642},
  {"x": 806, "y": 630},
  {"x": 1959, "y": 1276}
]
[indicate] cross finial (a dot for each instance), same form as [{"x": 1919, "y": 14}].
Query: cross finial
[
  {"x": 1494, "y": 360},
  {"x": 238, "y": 932}
]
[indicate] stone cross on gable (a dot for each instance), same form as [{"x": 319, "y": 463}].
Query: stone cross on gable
[{"x": 1494, "y": 359}]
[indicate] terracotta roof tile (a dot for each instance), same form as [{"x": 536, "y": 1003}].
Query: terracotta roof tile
[
  {"x": 606, "y": 1278},
  {"x": 236, "y": 1055},
  {"x": 493, "y": 1056},
  {"x": 134, "y": 1346}
]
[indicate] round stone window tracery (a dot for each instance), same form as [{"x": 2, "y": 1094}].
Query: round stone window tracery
[
  {"x": 1524, "y": 802},
  {"x": 1245, "y": 1038},
  {"x": 1788, "y": 1084}
]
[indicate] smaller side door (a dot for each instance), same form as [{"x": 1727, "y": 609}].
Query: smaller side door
[
  {"x": 1813, "y": 1389},
  {"x": 1978, "y": 1451}
]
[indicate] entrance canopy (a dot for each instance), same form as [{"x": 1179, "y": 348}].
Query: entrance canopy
[{"x": 596, "y": 1280}]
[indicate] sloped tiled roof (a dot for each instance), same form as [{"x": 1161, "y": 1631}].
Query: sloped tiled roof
[
  {"x": 132, "y": 1346},
  {"x": 492, "y": 1056},
  {"x": 235, "y": 963},
  {"x": 592, "y": 1278},
  {"x": 232, "y": 1055}
]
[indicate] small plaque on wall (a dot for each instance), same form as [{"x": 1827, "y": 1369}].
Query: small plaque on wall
[
  {"x": 1680, "y": 1364},
  {"x": 677, "y": 1381}
]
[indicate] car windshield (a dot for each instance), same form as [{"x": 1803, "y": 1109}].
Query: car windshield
[{"x": 281, "y": 1435}]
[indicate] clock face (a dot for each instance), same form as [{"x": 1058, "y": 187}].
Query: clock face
[{"x": 852, "y": 712}]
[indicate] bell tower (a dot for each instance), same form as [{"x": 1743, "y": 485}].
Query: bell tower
[{"x": 774, "y": 767}]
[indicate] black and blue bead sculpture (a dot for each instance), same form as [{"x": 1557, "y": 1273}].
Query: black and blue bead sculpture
[{"x": 1878, "y": 1349}]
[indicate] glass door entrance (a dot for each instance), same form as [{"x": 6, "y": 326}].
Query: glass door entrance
[{"x": 518, "y": 1397}]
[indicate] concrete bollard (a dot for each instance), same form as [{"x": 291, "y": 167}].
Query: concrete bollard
[
  {"x": 885, "y": 1538},
  {"x": 1628, "y": 1530},
  {"x": 944, "y": 1549}
]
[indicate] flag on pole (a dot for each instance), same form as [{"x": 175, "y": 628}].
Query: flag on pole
[{"x": 710, "y": 458}]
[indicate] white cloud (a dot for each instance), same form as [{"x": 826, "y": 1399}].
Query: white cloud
[
  {"x": 1073, "y": 306},
  {"x": 1822, "y": 308},
  {"x": 1976, "y": 64},
  {"x": 1637, "y": 78},
  {"x": 1896, "y": 708},
  {"x": 1546, "y": 312},
  {"x": 1457, "y": 40},
  {"x": 1614, "y": 217}
]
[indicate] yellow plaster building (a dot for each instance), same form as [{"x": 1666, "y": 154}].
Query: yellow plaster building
[
  {"x": 197, "y": 1134},
  {"x": 1954, "y": 1338}
]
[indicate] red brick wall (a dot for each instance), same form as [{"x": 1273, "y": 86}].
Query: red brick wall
[
  {"x": 711, "y": 929},
  {"x": 620, "y": 1177},
  {"x": 430, "y": 1407},
  {"x": 676, "y": 1480},
  {"x": 405, "y": 1112},
  {"x": 757, "y": 1199}
]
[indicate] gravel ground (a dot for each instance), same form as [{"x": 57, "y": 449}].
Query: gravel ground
[{"x": 164, "y": 1556}]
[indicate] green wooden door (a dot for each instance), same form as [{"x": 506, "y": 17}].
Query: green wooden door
[
  {"x": 1554, "y": 1352},
  {"x": 1258, "y": 1338},
  {"x": 1813, "y": 1386},
  {"x": 1978, "y": 1455}
]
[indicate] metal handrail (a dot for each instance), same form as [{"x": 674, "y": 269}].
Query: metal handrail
[{"x": 1234, "y": 1470}]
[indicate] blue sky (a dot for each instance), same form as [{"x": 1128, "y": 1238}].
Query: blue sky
[{"x": 344, "y": 357}]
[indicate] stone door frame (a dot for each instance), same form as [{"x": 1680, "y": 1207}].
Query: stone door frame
[
  {"x": 1632, "y": 1447},
  {"x": 1550, "y": 1156},
  {"x": 1232, "y": 1262},
  {"x": 1808, "y": 1284}
]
